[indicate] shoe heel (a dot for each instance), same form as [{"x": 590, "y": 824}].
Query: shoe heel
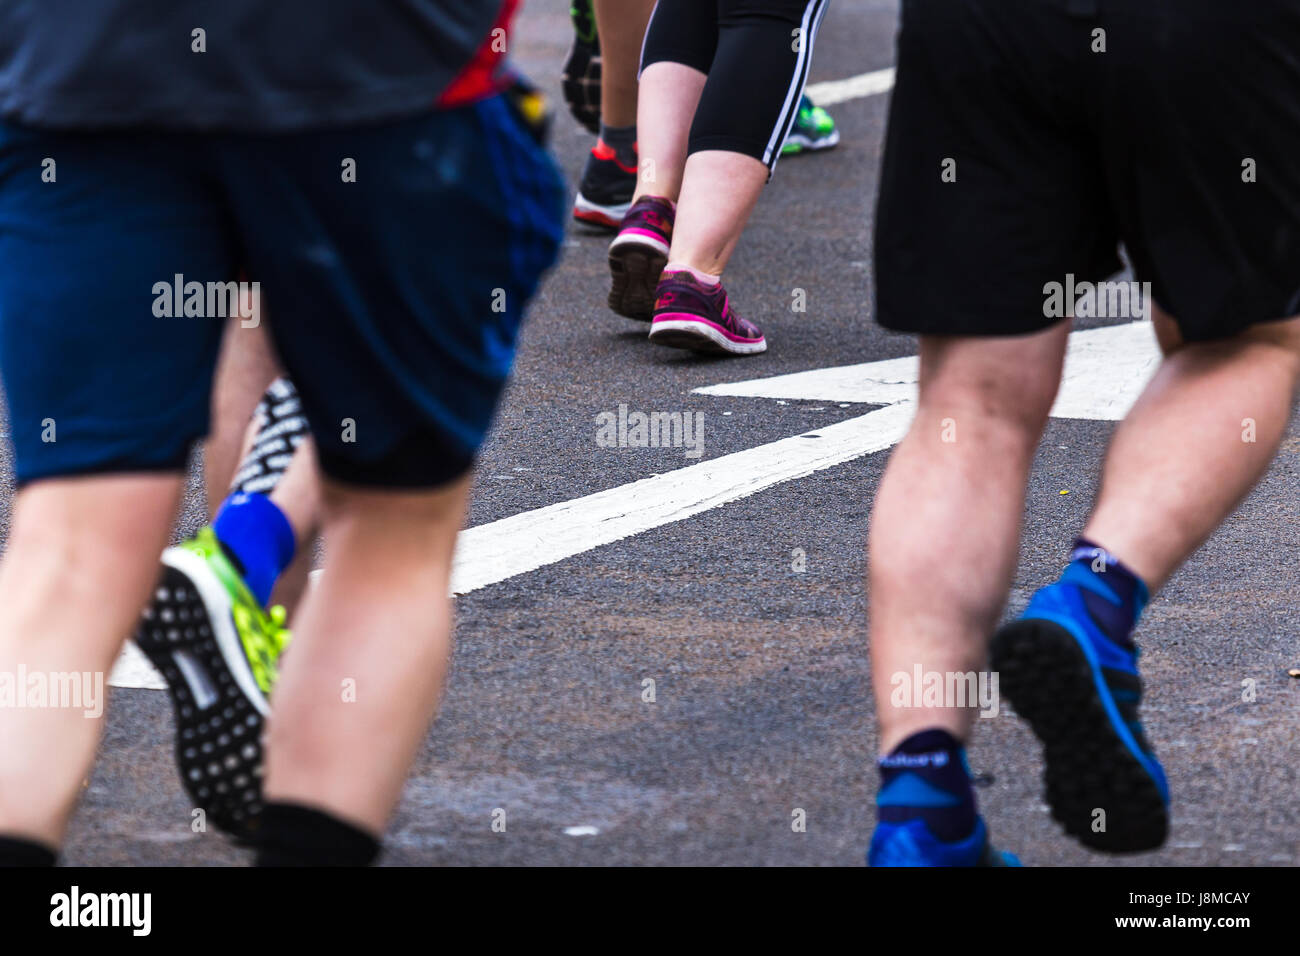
[{"x": 634, "y": 271}]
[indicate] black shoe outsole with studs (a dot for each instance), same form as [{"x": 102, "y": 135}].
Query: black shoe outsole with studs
[
  {"x": 1045, "y": 675},
  {"x": 580, "y": 84},
  {"x": 218, "y": 729}
]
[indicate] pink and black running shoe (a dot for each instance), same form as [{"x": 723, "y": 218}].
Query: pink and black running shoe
[
  {"x": 637, "y": 256},
  {"x": 690, "y": 314}
]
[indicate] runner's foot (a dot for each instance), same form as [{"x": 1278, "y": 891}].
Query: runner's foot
[
  {"x": 1079, "y": 689},
  {"x": 605, "y": 193},
  {"x": 637, "y": 257},
  {"x": 690, "y": 314},
  {"x": 219, "y": 653}
]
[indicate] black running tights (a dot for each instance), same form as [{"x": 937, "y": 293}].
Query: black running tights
[{"x": 756, "y": 55}]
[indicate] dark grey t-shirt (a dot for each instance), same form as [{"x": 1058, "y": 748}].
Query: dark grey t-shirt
[{"x": 269, "y": 65}]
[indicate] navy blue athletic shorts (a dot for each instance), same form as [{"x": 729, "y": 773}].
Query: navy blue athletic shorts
[{"x": 394, "y": 300}]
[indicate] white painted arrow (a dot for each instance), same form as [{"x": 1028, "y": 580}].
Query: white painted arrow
[{"x": 1105, "y": 370}]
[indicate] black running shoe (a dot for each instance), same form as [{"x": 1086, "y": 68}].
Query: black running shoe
[
  {"x": 219, "y": 652},
  {"x": 605, "y": 193},
  {"x": 580, "y": 78}
]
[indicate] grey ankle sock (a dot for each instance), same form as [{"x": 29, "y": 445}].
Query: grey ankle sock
[{"x": 622, "y": 140}]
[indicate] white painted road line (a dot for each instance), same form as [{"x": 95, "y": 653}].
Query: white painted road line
[
  {"x": 522, "y": 543},
  {"x": 852, "y": 88},
  {"x": 1105, "y": 370}
]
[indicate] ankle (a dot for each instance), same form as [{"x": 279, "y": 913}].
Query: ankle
[
  {"x": 707, "y": 278},
  {"x": 1123, "y": 595},
  {"x": 621, "y": 142}
]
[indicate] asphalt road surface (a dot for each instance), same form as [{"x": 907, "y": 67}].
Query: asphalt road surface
[{"x": 762, "y": 704}]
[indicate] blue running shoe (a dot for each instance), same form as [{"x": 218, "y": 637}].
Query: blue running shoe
[
  {"x": 1079, "y": 690},
  {"x": 912, "y": 844}
]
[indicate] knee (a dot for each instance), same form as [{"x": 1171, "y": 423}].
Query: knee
[
  {"x": 1009, "y": 405},
  {"x": 1000, "y": 386}
]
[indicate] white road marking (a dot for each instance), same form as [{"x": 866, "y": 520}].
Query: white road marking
[
  {"x": 132, "y": 669},
  {"x": 852, "y": 88},
  {"x": 524, "y": 542},
  {"x": 1105, "y": 370}
]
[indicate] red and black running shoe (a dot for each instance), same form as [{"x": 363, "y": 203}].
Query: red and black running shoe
[{"x": 605, "y": 193}]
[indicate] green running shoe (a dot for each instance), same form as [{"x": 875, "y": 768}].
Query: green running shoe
[
  {"x": 219, "y": 652},
  {"x": 580, "y": 78},
  {"x": 813, "y": 130}
]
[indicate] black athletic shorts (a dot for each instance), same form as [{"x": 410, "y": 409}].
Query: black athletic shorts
[{"x": 1019, "y": 153}]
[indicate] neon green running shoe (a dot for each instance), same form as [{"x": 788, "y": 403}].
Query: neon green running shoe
[
  {"x": 813, "y": 130},
  {"x": 219, "y": 653}
]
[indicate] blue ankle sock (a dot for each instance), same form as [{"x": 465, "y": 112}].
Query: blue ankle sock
[
  {"x": 926, "y": 777},
  {"x": 259, "y": 537},
  {"x": 1113, "y": 594}
]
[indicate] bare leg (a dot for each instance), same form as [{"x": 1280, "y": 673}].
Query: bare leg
[
  {"x": 718, "y": 193},
  {"x": 669, "y": 94},
  {"x": 621, "y": 25},
  {"x": 1196, "y": 442},
  {"x": 361, "y": 685},
  {"x": 247, "y": 365},
  {"x": 945, "y": 527},
  {"x": 82, "y": 558}
]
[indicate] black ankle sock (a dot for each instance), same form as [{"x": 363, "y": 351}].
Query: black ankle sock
[
  {"x": 15, "y": 851},
  {"x": 294, "y": 835}
]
